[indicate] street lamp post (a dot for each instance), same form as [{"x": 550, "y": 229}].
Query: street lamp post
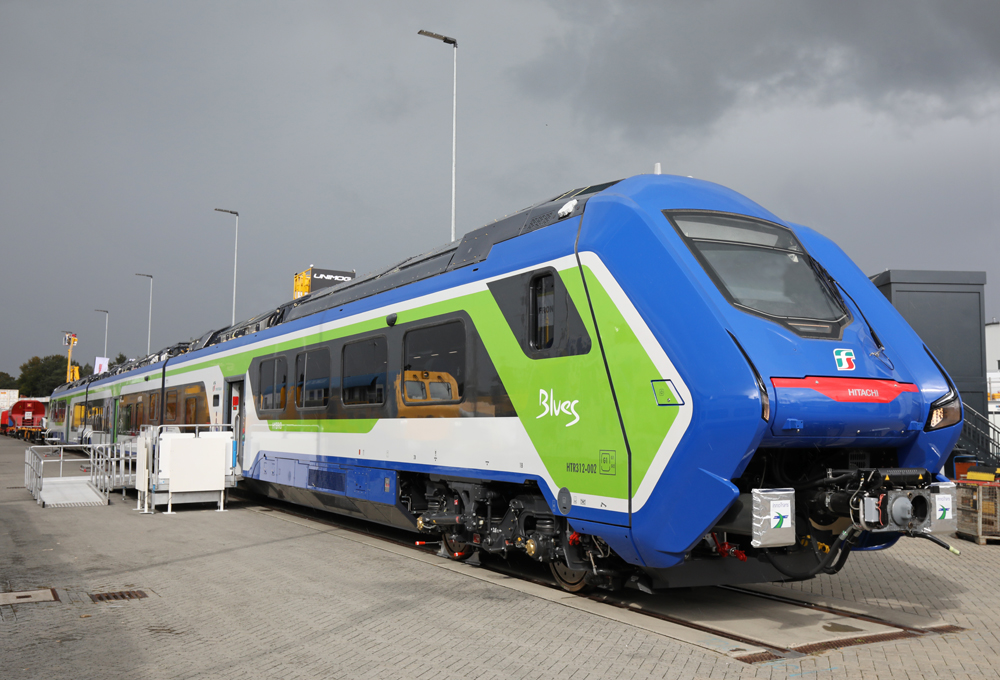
[
  {"x": 454, "y": 114},
  {"x": 235, "y": 251},
  {"x": 106, "y": 315},
  {"x": 149, "y": 330}
]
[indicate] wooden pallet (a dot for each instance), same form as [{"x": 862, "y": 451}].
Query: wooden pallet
[{"x": 981, "y": 540}]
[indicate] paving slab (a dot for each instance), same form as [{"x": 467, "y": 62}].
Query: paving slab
[{"x": 26, "y": 597}]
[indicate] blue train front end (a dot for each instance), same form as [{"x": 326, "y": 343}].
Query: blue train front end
[{"x": 820, "y": 420}]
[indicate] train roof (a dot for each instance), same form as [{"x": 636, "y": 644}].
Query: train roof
[{"x": 474, "y": 247}]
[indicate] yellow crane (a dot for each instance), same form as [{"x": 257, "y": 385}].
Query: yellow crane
[{"x": 72, "y": 372}]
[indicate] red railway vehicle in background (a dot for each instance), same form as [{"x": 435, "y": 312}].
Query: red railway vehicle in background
[{"x": 24, "y": 419}]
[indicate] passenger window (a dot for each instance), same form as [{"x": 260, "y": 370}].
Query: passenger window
[
  {"x": 364, "y": 371},
  {"x": 543, "y": 311},
  {"x": 191, "y": 410},
  {"x": 154, "y": 413},
  {"x": 273, "y": 377},
  {"x": 171, "y": 402},
  {"x": 434, "y": 363},
  {"x": 312, "y": 378}
]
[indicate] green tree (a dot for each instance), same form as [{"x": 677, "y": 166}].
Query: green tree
[
  {"x": 39, "y": 376},
  {"x": 7, "y": 381},
  {"x": 117, "y": 361}
]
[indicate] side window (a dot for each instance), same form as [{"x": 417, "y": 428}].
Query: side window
[
  {"x": 171, "y": 403},
  {"x": 542, "y": 311},
  {"x": 434, "y": 363},
  {"x": 364, "y": 371},
  {"x": 154, "y": 412},
  {"x": 273, "y": 380},
  {"x": 312, "y": 378},
  {"x": 191, "y": 410}
]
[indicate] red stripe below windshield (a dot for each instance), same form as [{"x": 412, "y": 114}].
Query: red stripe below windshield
[{"x": 852, "y": 390}]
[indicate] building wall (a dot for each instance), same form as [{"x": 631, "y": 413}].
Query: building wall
[{"x": 947, "y": 311}]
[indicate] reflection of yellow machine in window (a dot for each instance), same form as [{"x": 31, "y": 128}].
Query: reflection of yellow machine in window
[
  {"x": 95, "y": 416},
  {"x": 428, "y": 386},
  {"x": 434, "y": 371},
  {"x": 427, "y": 394}
]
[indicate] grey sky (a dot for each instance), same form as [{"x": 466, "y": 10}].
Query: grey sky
[{"x": 327, "y": 125}]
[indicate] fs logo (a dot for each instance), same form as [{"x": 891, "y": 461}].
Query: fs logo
[{"x": 845, "y": 359}]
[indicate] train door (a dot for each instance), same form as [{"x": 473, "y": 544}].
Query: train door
[{"x": 234, "y": 416}]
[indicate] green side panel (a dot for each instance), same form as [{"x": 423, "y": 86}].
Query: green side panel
[
  {"x": 339, "y": 425},
  {"x": 646, "y": 422},
  {"x": 588, "y": 456}
]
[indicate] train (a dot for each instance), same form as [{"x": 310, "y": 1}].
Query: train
[
  {"x": 23, "y": 419},
  {"x": 648, "y": 383}
]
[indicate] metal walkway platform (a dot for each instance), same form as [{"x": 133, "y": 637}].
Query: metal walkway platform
[{"x": 69, "y": 492}]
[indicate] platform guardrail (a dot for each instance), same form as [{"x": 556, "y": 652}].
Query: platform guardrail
[
  {"x": 113, "y": 467},
  {"x": 37, "y": 457}
]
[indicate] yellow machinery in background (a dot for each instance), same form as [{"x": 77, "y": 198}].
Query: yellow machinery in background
[
  {"x": 313, "y": 279},
  {"x": 72, "y": 372},
  {"x": 302, "y": 284}
]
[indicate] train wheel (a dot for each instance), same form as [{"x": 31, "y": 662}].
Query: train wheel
[
  {"x": 457, "y": 550},
  {"x": 572, "y": 580}
]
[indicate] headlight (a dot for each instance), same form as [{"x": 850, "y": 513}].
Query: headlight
[{"x": 945, "y": 412}]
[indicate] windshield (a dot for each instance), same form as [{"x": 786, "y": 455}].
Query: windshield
[{"x": 761, "y": 267}]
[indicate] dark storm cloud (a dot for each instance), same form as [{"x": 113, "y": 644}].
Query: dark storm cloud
[{"x": 683, "y": 65}]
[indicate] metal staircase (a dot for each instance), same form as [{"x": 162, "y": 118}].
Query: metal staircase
[{"x": 980, "y": 437}]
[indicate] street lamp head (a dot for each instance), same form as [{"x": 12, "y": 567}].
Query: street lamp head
[
  {"x": 148, "y": 276},
  {"x": 102, "y": 310},
  {"x": 231, "y": 212},
  {"x": 443, "y": 38}
]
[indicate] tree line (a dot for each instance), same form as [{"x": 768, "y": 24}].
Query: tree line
[{"x": 41, "y": 375}]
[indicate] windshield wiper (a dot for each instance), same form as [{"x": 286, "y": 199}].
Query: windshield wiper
[{"x": 835, "y": 286}]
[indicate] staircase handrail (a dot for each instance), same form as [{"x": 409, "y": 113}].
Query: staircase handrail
[{"x": 980, "y": 431}]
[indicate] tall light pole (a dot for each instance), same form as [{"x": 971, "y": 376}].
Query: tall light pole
[
  {"x": 106, "y": 315},
  {"x": 149, "y": 330},
  {"x": 235, "y": 251},
  {"x": 454, "y": 115}
]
